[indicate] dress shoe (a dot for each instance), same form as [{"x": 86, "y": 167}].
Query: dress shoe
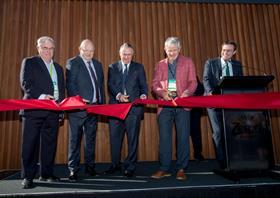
[
  {"x": 51, "y": 178},
  {"x": 90, "y": 170},
  {"x": 160, "y": 174},
  {"x": 128, "y": 173},
  {"x": 112, "y": 170},
  {"x": 180, "y": 175},
  {"x": 73, "y": 177},
  {"x": 27, "y": 183}
]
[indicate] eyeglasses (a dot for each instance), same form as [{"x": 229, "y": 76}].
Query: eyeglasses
[{"x": 47, "y": 48}]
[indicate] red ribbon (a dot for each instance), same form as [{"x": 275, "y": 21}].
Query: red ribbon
[
  {"x": 231, "y": 101},
  {"x": 269, "y": 100},
  {"x": 71, "y": 103}
]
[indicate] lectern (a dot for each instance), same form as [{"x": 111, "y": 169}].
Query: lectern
[{"x": 247, "y": 133}]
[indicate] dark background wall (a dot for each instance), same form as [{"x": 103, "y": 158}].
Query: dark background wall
[{"x": 145, "y": 24}]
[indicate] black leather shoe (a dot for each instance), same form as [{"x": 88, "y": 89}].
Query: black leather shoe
[
  {"x": 27, "y": 183},
  {"x": 51, "y": 178},
  {"x": 90, "y": 170},
  {"x": 73, "y": 177},
  {"x": 128, "y": 173},
  {"x": 112, "y": 170}
]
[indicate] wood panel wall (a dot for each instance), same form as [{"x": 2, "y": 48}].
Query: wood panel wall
[{"x": 201, "y": 26}]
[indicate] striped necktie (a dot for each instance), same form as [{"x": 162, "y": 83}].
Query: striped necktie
[
  {"x": 125, "y": 72},
  {"x": 94, "y": 80}
]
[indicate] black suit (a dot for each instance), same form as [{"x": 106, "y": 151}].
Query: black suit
[
  {"x": 79, "y": 82},
  {"x": 211, "y": 78},
  {"x": 136, "y": 86},
  {"x": 39, "y": 126}
]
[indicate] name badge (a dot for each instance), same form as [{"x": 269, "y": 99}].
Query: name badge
[
  {"x": 55, "y": 92},
  {"x": 172, "y": 85}
]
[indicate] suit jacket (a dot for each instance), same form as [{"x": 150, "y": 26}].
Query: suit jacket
[
  {"x": 78, "y": 80},
  {"x": 136, "y": 84},
  {"x": 185, "y": 77},
  {"x": 213, "y": 72},
  {"x": 35, "y": 80}
]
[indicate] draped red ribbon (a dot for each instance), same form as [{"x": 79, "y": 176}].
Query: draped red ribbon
[
  {"x": 71, "y": 103},
  {"x": 269, "y": 100},
  {"x": 231, "y": 101}
]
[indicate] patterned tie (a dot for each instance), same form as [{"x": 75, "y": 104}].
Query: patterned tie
[
  {"x": 125, "y": 72},
  {"x": 227, "y": 69},
  {"x": 94, "y": 80}
]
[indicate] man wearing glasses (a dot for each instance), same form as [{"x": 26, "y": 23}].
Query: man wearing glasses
[{"x": 40, "y": 78}]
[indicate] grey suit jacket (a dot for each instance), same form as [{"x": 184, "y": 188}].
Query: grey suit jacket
[{"x": 213, "y": 72}]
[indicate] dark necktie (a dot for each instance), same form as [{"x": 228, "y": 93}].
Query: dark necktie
[
  {"x": 94, "y": 80},
  {"x": 227, "y": 69},
  {"x": 125, "y": 72}
]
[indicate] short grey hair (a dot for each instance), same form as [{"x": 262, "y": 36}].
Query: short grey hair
[
  {"x": 172, "y": 41},
  {"x": 126, "y": 45},
  {"x": 44, "y": 39}
]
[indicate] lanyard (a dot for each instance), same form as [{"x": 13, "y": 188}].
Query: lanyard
[{"x": 51, "y": 69}]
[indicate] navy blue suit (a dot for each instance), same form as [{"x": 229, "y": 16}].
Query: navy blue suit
[
  {"x": 78, "y": 82},
  {"x": 136, "y": 85},
  {"x": 40, "y": 127},
  {"x": 211, "y": 78}
]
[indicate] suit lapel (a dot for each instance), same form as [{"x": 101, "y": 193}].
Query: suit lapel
[
  {"x": 219, "y": 67},
  {"x": 119, "y": 69},
  {"x": 131, "y": 68},
  {"x": 45, "y": 69},
  {"x": 83, "y": 67},
  {"x": 97, "y": 71}
]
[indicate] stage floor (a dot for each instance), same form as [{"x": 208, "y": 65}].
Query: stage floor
[{"x": 201, "y": 181}]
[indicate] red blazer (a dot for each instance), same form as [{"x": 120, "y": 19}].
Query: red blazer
[{"x": 185, "y": 77}]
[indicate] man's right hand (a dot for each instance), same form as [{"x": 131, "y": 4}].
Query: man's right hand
[
  {"x": 124, "y": 98},
  {"x": 166, "y": 96},
  {"x": 49, "y": 97}
]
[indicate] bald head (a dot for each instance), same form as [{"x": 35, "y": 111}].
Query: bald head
[{"x": 86, "y": 49}]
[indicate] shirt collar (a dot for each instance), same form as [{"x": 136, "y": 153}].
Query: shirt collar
[
  {"x": 224, "y": 62},
  {"x": 123, "y": 66},
  {"x": 48, "y": 64},
  {"x": 85, "y": 61}
]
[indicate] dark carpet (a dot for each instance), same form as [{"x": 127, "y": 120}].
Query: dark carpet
[{"x": 201, "y": 182}]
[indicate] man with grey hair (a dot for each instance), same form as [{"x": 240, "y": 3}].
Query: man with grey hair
[
  {"x": 174, "y": 77},
  {"x": 126, "y": 82},
  {"x": 84, "y": 77},
  {"x": 40, "y": 78}
]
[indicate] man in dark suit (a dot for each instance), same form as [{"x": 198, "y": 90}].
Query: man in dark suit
[
  {"x": 40, "y": 78},
  {"x": 84, "y": 77},
  {"x": 126, "y": 82},
  {"x": 214, "y": 70}
]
